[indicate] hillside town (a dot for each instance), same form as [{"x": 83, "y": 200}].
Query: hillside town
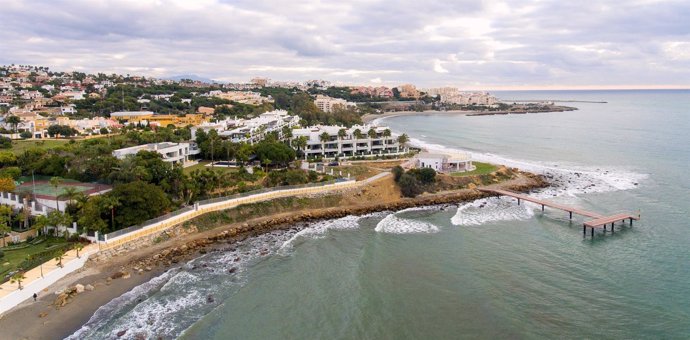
[
  {"x": 85, "y": 158},
  {"x": 38, "y": 103}
]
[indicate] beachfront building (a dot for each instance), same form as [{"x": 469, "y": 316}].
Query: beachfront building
[
  {"x": 453, "y": 95},
  {"x": 327, "y": 104},
  {"x": 332, "y": 141},
  {"x": 173, "y": 153},
  {"x": 447, "y": 163},
  {"x": 251, "y": 130}
]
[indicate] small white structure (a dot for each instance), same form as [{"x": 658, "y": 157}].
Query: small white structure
[
  {"x": 459, "y": 162},
  {"x": 172, "y": 153}
]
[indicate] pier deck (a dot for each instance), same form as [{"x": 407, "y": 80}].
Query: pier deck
[{"x": 598, "y": 220}]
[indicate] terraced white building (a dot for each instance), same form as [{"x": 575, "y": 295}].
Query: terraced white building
[{"x": 331, "y": 141}]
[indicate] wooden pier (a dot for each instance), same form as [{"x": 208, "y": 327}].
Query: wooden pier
[{"x": 598, "y": 221}]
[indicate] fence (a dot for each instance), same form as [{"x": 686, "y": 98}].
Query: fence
[{"x": 166, "y": 221}]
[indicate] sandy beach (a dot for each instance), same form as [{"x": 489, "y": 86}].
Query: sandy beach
[
  {"x": 368, "y": 118},
  {"x": 49, "y": 322}
]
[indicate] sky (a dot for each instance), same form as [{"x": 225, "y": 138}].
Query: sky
[{"x": 470, "y": 44}]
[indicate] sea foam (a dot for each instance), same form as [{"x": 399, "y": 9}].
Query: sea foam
[
  {"x": 566, "y": 180},
  {"x": 395, "y": 224}
]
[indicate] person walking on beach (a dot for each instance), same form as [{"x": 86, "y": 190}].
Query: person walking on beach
[{"x": 35, "y": 296}]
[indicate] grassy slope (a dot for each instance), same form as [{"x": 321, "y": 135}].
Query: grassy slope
[{"x": 481, "y": 169}]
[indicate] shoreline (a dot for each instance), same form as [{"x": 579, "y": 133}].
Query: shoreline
[
  {"x": 160, "y": 257},
  {"x": 368, "y": 118}
]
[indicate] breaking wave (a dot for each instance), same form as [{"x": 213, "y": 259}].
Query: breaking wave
[
  {"x": 566, "y": 181},
  {"x": 395, "y": 224},
  {"x": 168, "y": 304}
]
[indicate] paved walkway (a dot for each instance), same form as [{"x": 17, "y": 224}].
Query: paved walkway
[{"x": 42, "y": 277}]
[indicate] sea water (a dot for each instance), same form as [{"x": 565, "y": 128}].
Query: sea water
[{"x": 484, "y": 269}]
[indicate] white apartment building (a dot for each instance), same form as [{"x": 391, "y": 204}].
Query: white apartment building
[
  {"x": 255, "y": 129},
  {"x": 327, "y": 104},
  {"x": 354, "y": 141},
  {"x": 250, "y": 130},
  {"x": 172, "y": 153}
]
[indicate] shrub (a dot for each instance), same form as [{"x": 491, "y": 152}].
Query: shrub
[
  {"x": 424, "y": 175},
  {"x": 397, "y": 171},
  {"x": 2, "y": 254},
  {"x": 409, "y": 186}
]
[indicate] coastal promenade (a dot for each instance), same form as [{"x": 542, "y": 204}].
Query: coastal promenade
[
  {"x": 598, "y": 221},
  {"x": 40, "y": 278}
]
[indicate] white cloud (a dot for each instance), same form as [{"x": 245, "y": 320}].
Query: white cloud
[
  {"x": 438, "y": 66},
  {"x": 467, "y": 42}
]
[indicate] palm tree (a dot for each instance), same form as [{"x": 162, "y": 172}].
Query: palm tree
[
  {"x": 387, "y": 133},
  {"x": 287, "y": 132},
  {"x": 58, "y": 257},
  {"x": 14, "y": 121},
  {"x": 403, "y": 139},
  {"x": 18, "y": 277},
  {"x": 41, "y": 223},
  {"x": 70, "y": 193},
  {"x": 266, "y": 162},
  {"x": 300, "y": 142},
  {"x": 5, "y": 219},
  {"x": 342, "y": 133},
  {"x": 358, "y": 134},
  {"x": 324, "y": 137},
  {"x": 55, "y": 182},
  {"x": 79, "y": 246},
  {"x": 110, "y": 202},
  {"x": 372, "y": 134}
]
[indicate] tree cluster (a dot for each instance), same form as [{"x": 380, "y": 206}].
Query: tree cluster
[{"x": 414, "y": 181}]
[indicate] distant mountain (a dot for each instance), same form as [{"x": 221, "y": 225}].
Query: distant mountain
[{"x": 192, "y": 77}]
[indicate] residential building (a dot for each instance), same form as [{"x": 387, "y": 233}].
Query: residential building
[
  {"x": 408, "y": 91},
  {"x": 347, "y": 142},
  {"x": 254, "y": 130},
  {"x": 327, "y": 104},
  {"x": 173, "y": 153},
  {"x": 258, "y": 81},
  {"x": 458, "y": 162},
  {"x": 452, "y": 95},
  {"x": 152, "y": 119},
  {"x": 244, "y": 97}
]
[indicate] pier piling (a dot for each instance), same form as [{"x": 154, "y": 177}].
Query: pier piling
[{"x": 598, "y": 220}]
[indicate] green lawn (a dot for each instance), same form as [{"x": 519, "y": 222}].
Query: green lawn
[
  {"x": 481, "y": 169},
  {"x": 12, "y": 258},
  {"x": 20, "y": 146},
  {"x": 202, "y": 165},
  {"x": 357, "y": 171}
]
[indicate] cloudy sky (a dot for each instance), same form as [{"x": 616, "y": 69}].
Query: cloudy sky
[{"x": 465, "y": 43}]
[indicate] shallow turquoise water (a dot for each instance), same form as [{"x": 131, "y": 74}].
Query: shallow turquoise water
[{"x": 489, "y": 269}]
